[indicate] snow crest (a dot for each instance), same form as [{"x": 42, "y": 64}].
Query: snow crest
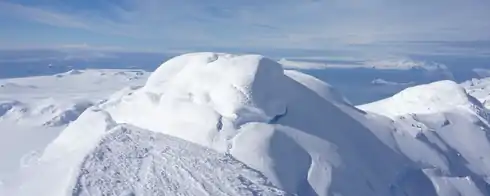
[{"x": 223, "y": 91}]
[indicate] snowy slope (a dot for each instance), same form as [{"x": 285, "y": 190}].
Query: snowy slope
[
  {"x": 34, "y": 110},
  {"x": 424, "y": 99},
  {"x": 479, "y": 88},
  {"x": 269, "y": 132},
  {"x": 118, "y": 159},
  {"x": 454, "y": 124}
]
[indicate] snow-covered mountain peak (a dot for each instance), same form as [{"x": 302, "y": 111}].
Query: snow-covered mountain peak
[
  {"x": 229, "y": 83},
  {"x": 230, "y": 102},
  {"x": 430, "y": 98}
]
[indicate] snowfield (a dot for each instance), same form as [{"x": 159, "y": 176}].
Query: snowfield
[
  {"x": 59, "y": 99},
  {"x": 223, "y": 124},
  {"x": 34, "y": 110}
]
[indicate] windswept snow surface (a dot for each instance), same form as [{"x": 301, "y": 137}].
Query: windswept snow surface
[
  {"x": 239, "y": 124},
  {"x": 96, "y": 156},
  {"x": 34, "y": 110}
]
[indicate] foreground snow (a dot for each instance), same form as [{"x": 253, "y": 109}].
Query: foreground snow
[
  {"x": 222, "y": 124},
  {"x": 125, "y": 160}
]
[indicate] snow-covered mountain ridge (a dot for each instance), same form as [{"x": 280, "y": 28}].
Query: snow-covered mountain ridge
[
  {"x": 270, "y": 132},
  {"x": 447, "y": 119},
  {"x": 26, "y": 99}
]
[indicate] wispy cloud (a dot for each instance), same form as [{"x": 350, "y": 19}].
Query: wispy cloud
[
  {"x": 41, "y": 15},
  {"x": 281, "y": 24}
]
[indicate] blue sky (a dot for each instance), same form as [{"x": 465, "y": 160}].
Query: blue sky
[{"x": 162, "y": 25}]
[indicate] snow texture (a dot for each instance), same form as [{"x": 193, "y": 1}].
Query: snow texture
[
  {"x": 453, "y": 124},
  {"x": 125, "y": 160}
]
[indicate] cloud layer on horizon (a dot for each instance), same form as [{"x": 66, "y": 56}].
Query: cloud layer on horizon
[{"x": 299, "y": 24}]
